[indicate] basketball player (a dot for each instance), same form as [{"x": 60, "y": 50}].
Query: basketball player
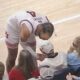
[{"x": 22, "y": 27}]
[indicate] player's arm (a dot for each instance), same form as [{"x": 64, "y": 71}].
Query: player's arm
[{"x": 24, "y": 32}]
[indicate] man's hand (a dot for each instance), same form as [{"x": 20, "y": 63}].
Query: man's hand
[
  {"x": 69, "y": 77},
  {"x": 40, "y": 56}
]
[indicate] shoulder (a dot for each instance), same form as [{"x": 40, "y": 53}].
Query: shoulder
[
  {"x": 23, "y": 16},
  {"x": 14, "y": 72},
  {"x": 17, "y": 15},
  {"x": 41, "y": 18},
  {"x": 73, "y": 54}
]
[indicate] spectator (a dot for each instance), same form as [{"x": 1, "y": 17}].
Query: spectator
[
  {"x": 74, "y": 60},
  {"x": 23, "y": 27},
  {"x": 25, "y": 68},
  {"x": 54, "y": 65},
  {"x": 74, "y": 57}
]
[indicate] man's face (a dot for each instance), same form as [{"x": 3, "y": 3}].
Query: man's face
[{"x": 44, "y": 36}]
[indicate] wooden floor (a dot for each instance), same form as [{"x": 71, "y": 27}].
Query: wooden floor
[{"x": 54, "y": 9}]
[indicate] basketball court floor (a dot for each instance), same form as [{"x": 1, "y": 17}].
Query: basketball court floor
[{"x": 64, "y": 14}]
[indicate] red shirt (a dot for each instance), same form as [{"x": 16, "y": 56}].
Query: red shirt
[
  {"x": 35, "y": 73},
  {"x": 16, "y": 74}
]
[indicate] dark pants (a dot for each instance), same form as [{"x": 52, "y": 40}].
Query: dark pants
[
  {"x": 62, "y": 74},
  {"x": 73, "y": 72}
]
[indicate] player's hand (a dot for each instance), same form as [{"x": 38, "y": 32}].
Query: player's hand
[{"x": 40, "y": 56}]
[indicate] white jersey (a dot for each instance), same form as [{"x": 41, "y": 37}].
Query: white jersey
[
  {"x": 51, "y": 66},
  {"x": 31, "y": 19}
]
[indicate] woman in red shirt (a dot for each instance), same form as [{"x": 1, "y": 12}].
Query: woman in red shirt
[{"x": 26, "y": 67}]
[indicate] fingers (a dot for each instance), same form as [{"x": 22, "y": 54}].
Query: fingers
[{"x": 69, "y": 77}]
